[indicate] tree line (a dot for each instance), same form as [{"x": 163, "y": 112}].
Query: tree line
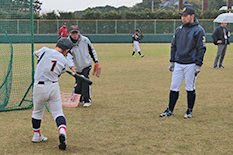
[{"x": 138, "y": 11}]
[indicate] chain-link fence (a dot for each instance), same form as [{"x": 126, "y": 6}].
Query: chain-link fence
[{"x": 109, "y": 26}]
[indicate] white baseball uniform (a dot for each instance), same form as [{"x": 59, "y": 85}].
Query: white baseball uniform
[
  {"x": 136, "y": 46},
  {"x": 136, "y": 37},
  {"x": 51, "y": 64}
]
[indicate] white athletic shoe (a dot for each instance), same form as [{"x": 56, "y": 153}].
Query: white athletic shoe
[
  {"x": 63, "y": 141},
  {"x": 39, "y": 139},
  {"x": 87, "y": 105}
]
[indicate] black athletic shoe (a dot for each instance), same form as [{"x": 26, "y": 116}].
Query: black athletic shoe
[
  {"x": 63, "y": 142},
  {"x": 166, "y": 113},
  {"x": 188, "y": 114}
]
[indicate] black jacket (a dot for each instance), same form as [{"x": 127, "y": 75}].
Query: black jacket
[
  {"x": 219, "y": 35},
  {"x": 188, "y": 44}
]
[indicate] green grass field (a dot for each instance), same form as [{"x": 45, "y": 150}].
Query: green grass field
[{"x": 126, "y": 102}]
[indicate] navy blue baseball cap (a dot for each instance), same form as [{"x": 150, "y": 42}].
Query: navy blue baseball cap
[
  {"x": 65, "y": 43},
  {"x": 187, "y": 11}
]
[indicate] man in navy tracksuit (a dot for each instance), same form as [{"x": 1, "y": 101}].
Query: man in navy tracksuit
[{"x": 187, "y": 53}]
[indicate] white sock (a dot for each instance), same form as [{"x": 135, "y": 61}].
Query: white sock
[
  {"x": 37, "y": 132},
  {"x": 62, "y": 129}
]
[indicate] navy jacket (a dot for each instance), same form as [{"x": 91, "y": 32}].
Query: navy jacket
[
  {"x": 188, "y": 44},
  {"x": 219, "y": 35}
]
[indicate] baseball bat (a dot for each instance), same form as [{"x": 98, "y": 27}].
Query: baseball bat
[{"x": 80, "y": 77}]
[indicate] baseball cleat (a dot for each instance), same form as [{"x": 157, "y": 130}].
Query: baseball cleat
[
  {"x": 221, "y": 67},
  {"x": 142, "y": 56},
  {"x": 87, "y": 105},
  {"x": 39, "y": 139},
  {"x": 166, "y": 113},
  {"x": 133, "y": 56},
  {"x": 63, "y": 142},
  {"x": 81, "y": 102},
  {"x": 188, "y": 114}
]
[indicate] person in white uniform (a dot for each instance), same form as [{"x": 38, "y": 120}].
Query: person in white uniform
[
  {"x": 51, "y": 64},
  {"x": 135, "y": 42},
  {"x": 187, "y": 53}
]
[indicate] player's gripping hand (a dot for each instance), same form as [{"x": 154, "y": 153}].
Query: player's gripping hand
[
  {"x": 171, "y": 67},
  {"x": 73, "y": 69},
  {"x": 197, "y": 69},
  {"x": 97, "y": 70}
]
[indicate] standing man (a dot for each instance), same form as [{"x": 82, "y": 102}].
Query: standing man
[
  {"x": 135, "y": 42},
  {"x": 51, "y": 64},
  {"x": 220, "y": 37},
  {"x": 80, "y": 62},
  {"x": 62, "y": 31},
  {"x": 187, "y": 53}
]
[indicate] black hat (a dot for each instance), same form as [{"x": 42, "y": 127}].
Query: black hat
[
  {"x": 64, "y": 23},
  {"x": 187, "y": 11},
  {"x": 65, "y": 43},
  {"x": 137, "y": 30},
  {"x": 74, "y": 28}
]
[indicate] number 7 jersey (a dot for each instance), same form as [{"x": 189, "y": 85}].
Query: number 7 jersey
[{"x": 51, "y": 64}]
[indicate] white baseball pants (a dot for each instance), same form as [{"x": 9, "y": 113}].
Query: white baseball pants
[
  {"x": 136, "y": 46},
  {"x": 183, "y": 72},
  {"x": 47, "y": 92}
]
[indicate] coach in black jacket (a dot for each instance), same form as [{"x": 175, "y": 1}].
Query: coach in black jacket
[{"x": 220, "y": 37}]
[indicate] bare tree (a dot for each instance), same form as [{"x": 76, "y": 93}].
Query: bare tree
[
  {"x": 229, "y": 4},
  {"x": 204, "y": 5},
  {"x": 180, "y": 6}
]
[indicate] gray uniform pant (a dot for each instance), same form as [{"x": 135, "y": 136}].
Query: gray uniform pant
[{"x": 221, "y": 53}]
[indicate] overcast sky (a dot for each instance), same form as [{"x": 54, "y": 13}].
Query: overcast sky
[{"x": 79, "y": 5}]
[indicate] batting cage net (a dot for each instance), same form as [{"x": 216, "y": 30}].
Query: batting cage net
[{"x": 16, "y": 60}]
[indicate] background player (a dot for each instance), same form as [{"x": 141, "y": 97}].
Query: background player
[
  {"x": 80, "y": 62},
  {"x": 62, "y": 31},
  {"x": 51, "y": 64},
  {"x": 135, "y": 42},
  {"x": 187, "y": 50},
  {"x": 220, "y": 37}
]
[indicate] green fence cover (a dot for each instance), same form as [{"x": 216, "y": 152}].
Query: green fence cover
[{"x": 16, "y": 60}]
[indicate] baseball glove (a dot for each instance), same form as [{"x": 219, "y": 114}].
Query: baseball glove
[
  {"x": 97, "y": 70},
  {"x": 141, "y": 36}
]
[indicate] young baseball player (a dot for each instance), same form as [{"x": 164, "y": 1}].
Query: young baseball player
[
  {"x": 80, "y": 62},
  {"x": 187, "y": 53},
  {"x": 135, "y": 42},
  {"x": 51, "y": 64}
]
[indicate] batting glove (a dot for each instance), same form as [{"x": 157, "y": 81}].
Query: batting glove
[
  {"x": 197, "y": 69},
  {"x": 171, "y": 67},
  {"x": 97, "y": 70}
]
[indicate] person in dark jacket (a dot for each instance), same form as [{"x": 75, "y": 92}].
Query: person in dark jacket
[
  {"x": 187, "y": 52},
  {"x": 220, "y": 37}
]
